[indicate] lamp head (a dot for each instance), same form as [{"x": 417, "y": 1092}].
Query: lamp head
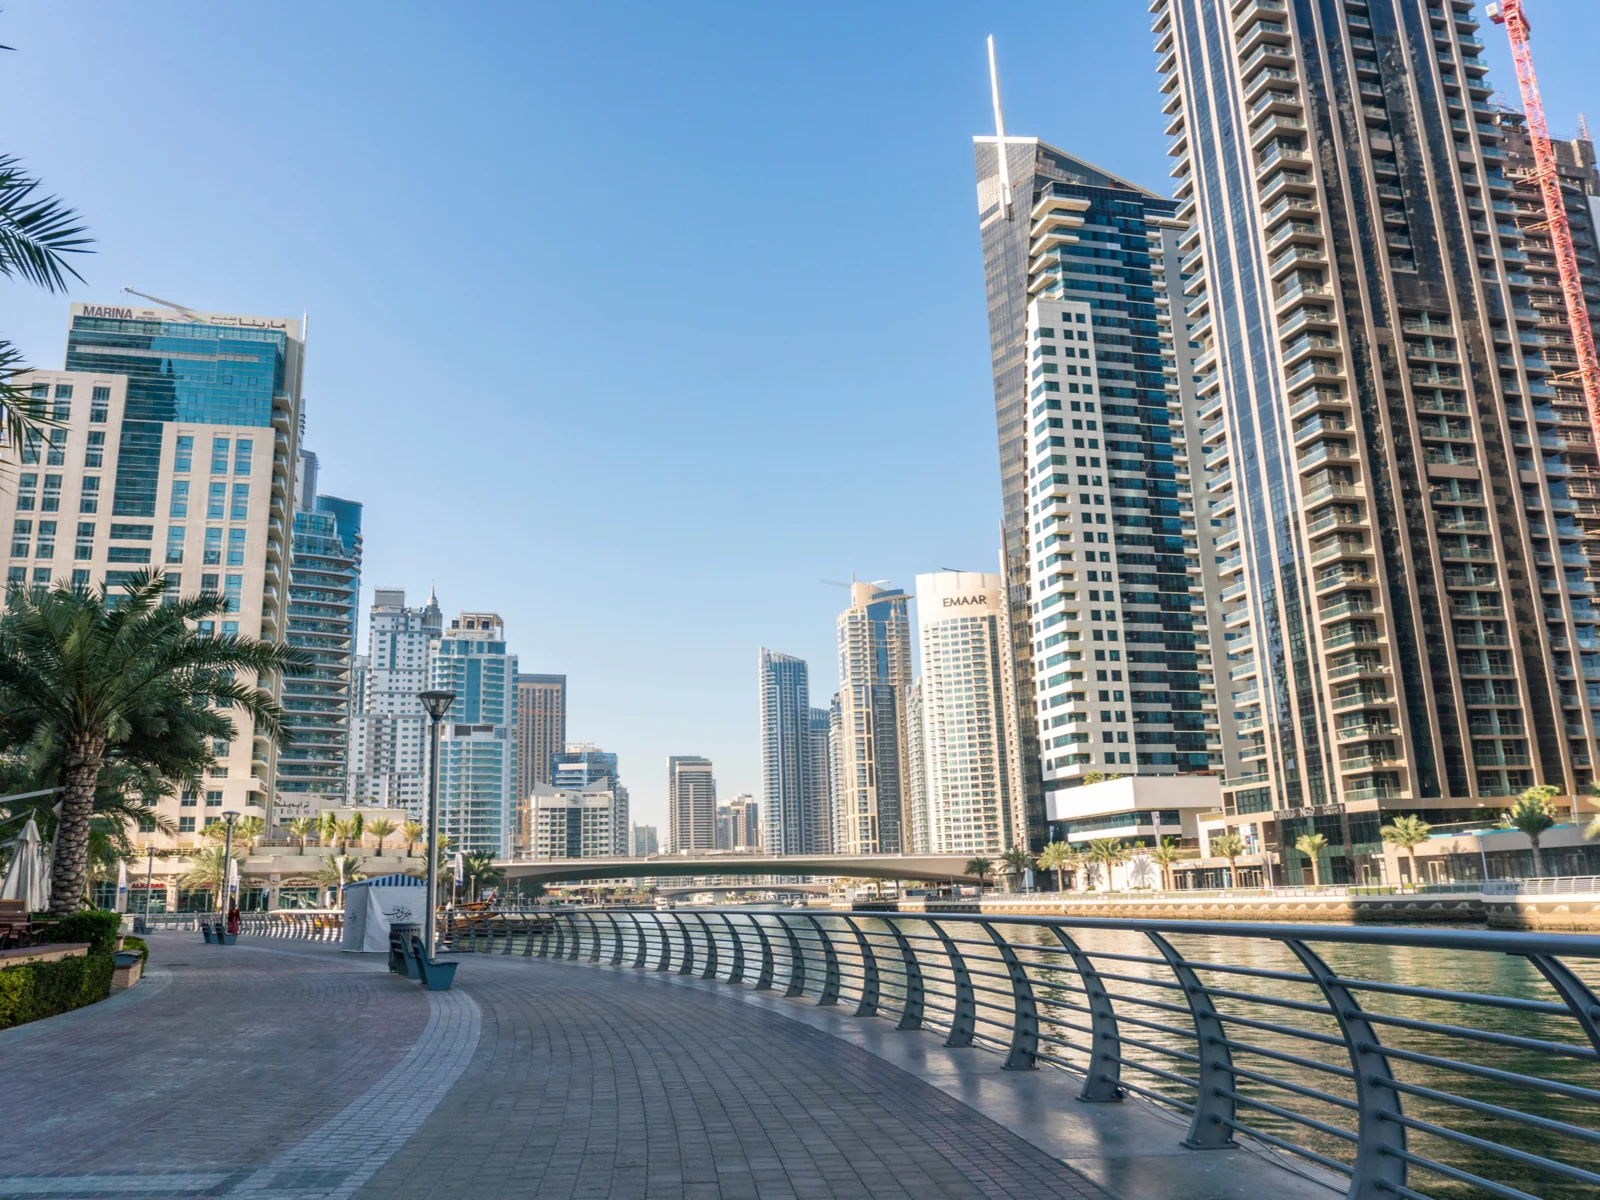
[
  {"x": 230, "y": 816},
  {"x": 436, "y": 704}
]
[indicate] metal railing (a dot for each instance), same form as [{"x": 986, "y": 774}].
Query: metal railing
[
  {"x": 312, "y": 924},
  {"x": 1462, "y": 1062},
  {"x": 1564, "y": 885}
]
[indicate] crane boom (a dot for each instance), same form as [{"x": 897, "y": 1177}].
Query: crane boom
[{"x": 1510, "y": 14}]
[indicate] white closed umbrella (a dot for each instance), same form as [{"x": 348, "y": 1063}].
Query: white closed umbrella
[
  {"x": 233, "y": 884},
  {"x": 28, "y": 876},
  {"x": 122, "y": 887}
]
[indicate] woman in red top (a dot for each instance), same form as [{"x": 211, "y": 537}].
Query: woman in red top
[{"x": 233, "y": 918}]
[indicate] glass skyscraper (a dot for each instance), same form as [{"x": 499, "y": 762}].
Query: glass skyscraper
[
  {"x": 477, "y": 749},
  {"x": 792, "y": 825},
  {"x": 1408, "y": 609},
  {"x": 874, "y": 687}
]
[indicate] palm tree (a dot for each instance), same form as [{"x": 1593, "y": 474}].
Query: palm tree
[
  {"x": 1312, "y": 845},
  {"x": 1054, "y": 857},
  {"x": 1230, "y": 846},
  {"x": 339, "y": 869},
  {"x": 1017, "y": 860},
  {"x": 209, "y": 869},
  {"x": 36, "y": 232},
  {"x": 328, "y": 828},
  {"x": 303, "y": 828},
  {"x": 480, "y": 868},
  {"x": 1094, "y": 777},
  {"x": 86, "y": 671},
  {"x": 412, "y": 831},
  {"x": 1164, "y": 854},
  {"x": 380, "y": 828},
  {"x": 247, "y": 830},
  {"x": 1533, "y": 813},
  {"x": 1107, "y": 852},
  {"x": 979, "y": 867},
  {"x": 348, "y": 831},
  {"x": 1407, "y": 833}
]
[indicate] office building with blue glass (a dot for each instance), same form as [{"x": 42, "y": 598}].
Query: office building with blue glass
[
  {"x": 477, "y": 747},
  {"x": 583, "y": 765}
]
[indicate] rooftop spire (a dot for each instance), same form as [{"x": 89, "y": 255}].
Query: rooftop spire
[{"x": 999, "y": 130}]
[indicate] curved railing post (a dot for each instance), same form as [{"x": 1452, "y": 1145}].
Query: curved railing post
[
  {"x": 529, "y": 925},
  {"x": 1024, "y": 1010},
  {"x": 710, "y": 971},
  {"x": 797, "y": 961},
  {"x": 868, "y": 1007},
  {"x": 1574, "y": 993},
  {"x": 577, "y": 936},
  {"x": 616, "y": 933},
  {"x": 686, "y": 967},
  {"x": 1101, "y": 1083},
  {"x": 736, "y": 971},
  {"x": 830, "y": 965},
  {"x": 544, "y": 937},
  {"x": 768, "y": 963},
  {"x": 1380, "y": 1168},
  {"x": 510, "y": 935},
  {"x": 641, "y": 952},
  {"x": 1214, "y": 1107},
  {"x": 666, "y": 944},
  {"x": 965, "y": 1021},
  {"x": 594, "y": 928},
  {"x": 911, "y": 1013}
]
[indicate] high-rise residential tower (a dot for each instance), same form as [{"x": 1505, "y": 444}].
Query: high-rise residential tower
[
  {"x": 691, "y": 804},
  {"x": 477, "y": 753},
  {"x": 541, "y": 727},
  {"x": 874, "y": 677},
  {"x": 645, "y": 841},
  {"x": 1099, "y": 528},
  {"x": 971, "y": 794},
  {"x": 916, "y": 774},
  {"x": 389, "y": 730},
  {"x": 582, "y": 765},
  {"x": 324, "y": 585},
  {"x": 176, "y": 448},
  {"x": 1406, "y": 603},
  {"x": 786, "y": 786},
  {"x": 819, "y": 781}
]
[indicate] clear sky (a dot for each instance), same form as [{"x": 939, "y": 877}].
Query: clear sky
[{"x": 629, "y": 321}]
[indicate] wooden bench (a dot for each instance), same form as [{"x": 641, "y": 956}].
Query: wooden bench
[
  {"x": 436, "y": 976},
  {"x": 16, "y": 927}
]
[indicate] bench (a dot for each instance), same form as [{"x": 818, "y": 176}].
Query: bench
[
  {"x": 401, "y": 961},
  {"x": 16, "y": 927},
  {"x": 436, "y": 976}
]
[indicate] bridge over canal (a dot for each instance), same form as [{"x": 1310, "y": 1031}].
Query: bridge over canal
[{"x": 907, "y": 868}]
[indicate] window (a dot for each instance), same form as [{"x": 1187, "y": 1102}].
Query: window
[
  {"x": 185, "y": 824},
  {"x": 214, "y": 799},
  {"x": 80, "y": 580},
  {"x": 216, "y": 501},
  {"x": 241, "y": 456},
  {"x": 61, "y": 410},
  {"x": 27, "y": 489},
  {"x": 131, "y": 533},
  {"x": 63, "y": 391},
  {"x": 230, "y": 629},
  {"x": 99, "y": 401},
  {"x": 57, "y": 454},
  {"x": 85, "y": 543},
  {"x": 212, "y": 556},
  {"x": 94, "y": 453},
  {"x": 172, "y": 583},
  {"x": 30, "y": 446},
  {"x": 182, "y": 457},
  {"x": 219, "y": 456},
  {"x": 21, "y": 535},
  {"x": 180, "y": 498},
  {"x": 208, "y": 583},
  {"x": 127, "y": 554},
  {"x": 47, "y": 540},
  {"x": 208, "y": 628},
  {"x": 40, "y": 391},
  {"x": 41, "y": 578},
  {"x": 236, "y": 547},
  {"x": 89, "y": 497},
  {"x": 190, "y": 799},
  {"x": 175, "y": 536},
  {"x": 16, "y": 575},
  {"x": 241, "y": 503}
]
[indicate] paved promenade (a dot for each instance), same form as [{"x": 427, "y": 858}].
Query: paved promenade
[{"x": 288, "y": 1070}]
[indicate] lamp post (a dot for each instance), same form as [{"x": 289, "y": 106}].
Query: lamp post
[
  {"x": 435, "y": 704},
  {"x": 228, "y": 817},
  {"x": 149, "y": 880}
]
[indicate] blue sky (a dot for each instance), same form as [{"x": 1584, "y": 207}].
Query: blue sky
[{"x": 628, "y": 321}]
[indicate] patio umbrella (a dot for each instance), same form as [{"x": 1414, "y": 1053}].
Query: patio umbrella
[
  {"x": 122, "y": 887},
  {"x": 28, "y": 876}
]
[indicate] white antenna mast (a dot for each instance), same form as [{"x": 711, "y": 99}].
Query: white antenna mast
[{"x": 999, "y": 131}]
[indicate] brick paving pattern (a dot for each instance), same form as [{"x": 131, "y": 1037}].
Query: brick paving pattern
[{"x": 303, "y": 1074}]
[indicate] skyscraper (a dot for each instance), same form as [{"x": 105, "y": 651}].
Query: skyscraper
[
  {"x": 477, "y": 754},
  {"x": 970, "y": 782},
  {"x": 645, "y": 841},
  {"x": 691, "y": 804},
  {"x": 1405, "y": 597},
  {"x": 786, "y": 790},
  {"x": 324, "y": 584},
  {"x": 541, "y": 727},
  {"x": 916, "y": 774},
  {"x": 1098, "y": 519},
  {"x": 176, "y": 447},
  {"x": 819, "y": 781},
  {"x": 583, "y": 764},
  {"x": 874, "y": 677},
  {"x": 744, "y": 823},
  {"x": 389, "y": 730}
]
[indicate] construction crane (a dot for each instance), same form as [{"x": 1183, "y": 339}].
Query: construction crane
[{"x": 1510, "y": 14}]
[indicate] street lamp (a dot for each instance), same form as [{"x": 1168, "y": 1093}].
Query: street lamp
[
  {"x": 228, "y": 817},
  {"x": 149, "y": 881},
  {"x": 435, "y": 704}
]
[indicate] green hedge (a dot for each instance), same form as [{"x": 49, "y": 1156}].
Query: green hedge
[
  {"x": 99, "y": 929},
  {"x": 37, "y": 990},
  {"x": 139, "y": 944}
]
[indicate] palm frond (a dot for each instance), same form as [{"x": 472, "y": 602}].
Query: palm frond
[{"x": 36, "y": 230}]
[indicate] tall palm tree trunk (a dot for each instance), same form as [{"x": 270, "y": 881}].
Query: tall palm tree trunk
[
  {"x": 80, "y": 771},
  {"x": 1538, "y": 858}
]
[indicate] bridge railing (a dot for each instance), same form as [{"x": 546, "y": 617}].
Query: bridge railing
[{"x": 1425, "y": 1063}]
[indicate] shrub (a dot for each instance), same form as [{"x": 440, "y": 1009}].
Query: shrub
[
  {"x": 36, "y": 990},
  {"x": 142, "y": 946},
  {"x": 99, "y": 929}
]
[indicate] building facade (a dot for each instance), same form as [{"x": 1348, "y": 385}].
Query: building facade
[
  {"x": 786, "y": 786},
  {"x": 541, "y": 727},
  {"x": 645, "y": 841},
  {"x": 1404, "y": 597},
  {"x": 739, "y": 824},
  {"x": 819, "y": 781},
  {"x": 568, "y": 823},
  {"x": 917, "y": 836},
  {"x": 691, "y": 804},
  {"x": 477, "y": 750},
  {"x": 388, "y": 729},
  {"x": 582, "y": 765},
  {"x": 970, "y": 780},
  {"x": 324, "y": 586},
  {"x": 874, "y": 678}
]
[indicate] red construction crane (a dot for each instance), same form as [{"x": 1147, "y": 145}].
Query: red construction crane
[{"x": 1510, "y": 14}]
